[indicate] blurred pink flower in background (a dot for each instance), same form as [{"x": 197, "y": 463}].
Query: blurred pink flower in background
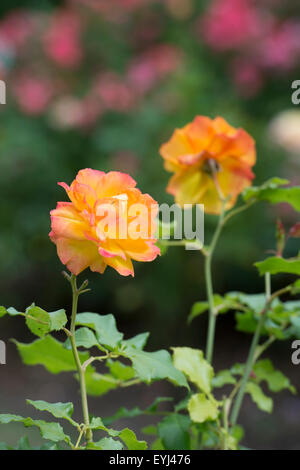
[
  {"x": 263, "y": 43},
  {"x": 231, "y": 23},
  {"x": 57, "y": 42},
  {"x": 153, "y": 65},
  {"x": 33, "y": 94},
  {"x": 16, "y": 27},
  {"x": 258, "y": 43},
  {"x": 114, "y": 92},
  {"x": 62, "y": 40},
  {"x": 281, "y": 47}
]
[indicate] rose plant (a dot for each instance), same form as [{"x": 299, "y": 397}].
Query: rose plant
[{"x": 104, "y": 224}]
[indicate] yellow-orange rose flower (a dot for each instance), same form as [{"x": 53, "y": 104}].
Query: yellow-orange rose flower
[
  {"x": 209, "y": 158},
  {"x": 108, "y": 222}
]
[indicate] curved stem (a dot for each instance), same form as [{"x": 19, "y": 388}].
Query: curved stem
[
  {"x": 80, "y": 369},
  {"x": 251, "y": 356},
  {"x": 238, "y": 210},
  {"x": 209, "y": 287}
]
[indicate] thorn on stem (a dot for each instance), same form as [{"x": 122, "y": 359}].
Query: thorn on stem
[
  {"x": 83, "y": 285},
  {"x": 66, "y": 276}
]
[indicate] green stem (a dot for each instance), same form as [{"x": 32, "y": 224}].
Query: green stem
[
  {"x": 209, "y": 288},
  {"x": 80, "y": 369},
  {"x": 268, "y": 286},
  {"x": 251, "y": 355},
  {"x": 238, "y": 210}
]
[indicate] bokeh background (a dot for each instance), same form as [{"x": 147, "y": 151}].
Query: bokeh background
[{"x": 101, "y": 84}]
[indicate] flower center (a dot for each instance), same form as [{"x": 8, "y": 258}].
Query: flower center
[{"x": 211, "y": 166}]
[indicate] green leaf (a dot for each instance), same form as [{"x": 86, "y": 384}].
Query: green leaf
[
  {"x": 252, "y": 305},
  {"x": 182, "y": 404},
  {"x": 84, "y": 337},
  {"x": 58, "y": 320},
  {"x": 126, "y": 435},
  {"x": 3, "y": 312},
  {"x": 9, "y": 311},
  {"x": 237, "y": 369},
  {"x": 275, "y": 265},
  {"x": 272, "y": 192},
  {"x": 295, "y": 328},
  {"x": 221, "y": 305},
  {"x": 97, "y": 424},
  {"x": 99, "y": 384},
  {"x": 292, "y": 306},
  {"x": 209, "y": 434},
  {"x": 157, "y": 445},
  {"x": 202, "y": 409},
  {"x": 52, "y": 431},
  {"x": 130, "y": 440},
  {"x": 197, "y": 309},
  {"x": 59, "y": 410},
  {"x": 296, "y": 287},
  {"x": 237, "y": 433},
  {"x": 222, "y": 378},
  {"x": 263, "y": 402},
  {"x": 255, "y": 191},
  {"x": 151, "y": 366},
  {"x": 50, "y": 353},
  {"x": 123, "y": 412},
  {"x": 106, "y": 443},
  {"x": 136, "y": 411},
  {"x": 23, "y": 444},
  {"x": 173, "y": 432},
  {"x": 37, "y": 320},
  {"x": 104, "y": 326},
  {"x": 153, "y": 408},
  {"x": 192, "y": 363},
  {"x": 246, "y": 322},
  {"x": 255, "y": 302},
  {"x": 138, "y": 341},
  {"x": 120, "y": 371},
  {"x": 276, "y": 380}
]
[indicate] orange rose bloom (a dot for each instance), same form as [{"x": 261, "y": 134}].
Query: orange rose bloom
[
  {"x": 108, "y": 222},
  {"x": 205, "y": 155}
]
